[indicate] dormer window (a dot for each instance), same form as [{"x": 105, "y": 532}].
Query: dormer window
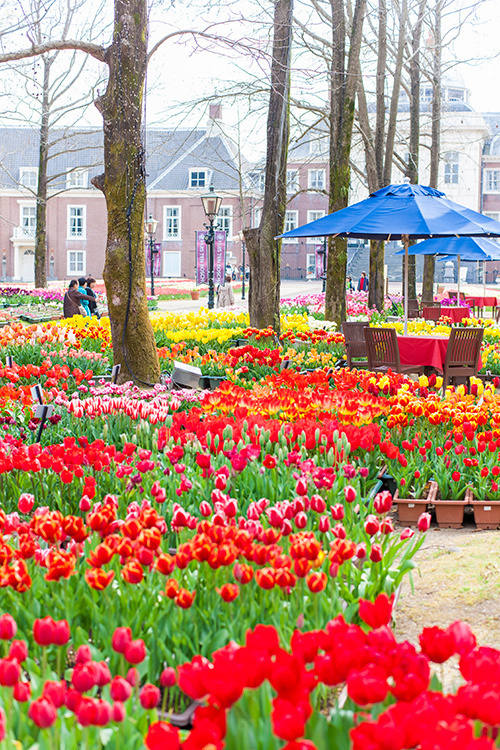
[
  {"x": 77, "y": 178},
  {"x": 28, "y": 177},
  {"x": 198, "y": 178}
]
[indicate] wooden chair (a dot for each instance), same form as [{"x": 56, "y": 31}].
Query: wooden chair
[
  {"x": 355, "y": 343},
  {"x": 383, "y": 351},
  {"x": 462, "y": 354},
  {"x": 431, "y": 310},
  {"x": 413, "y": 308},
  {"x": 452, "y": 295}
]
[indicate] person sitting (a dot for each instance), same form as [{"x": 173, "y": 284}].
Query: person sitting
[
  {"x": 363, "y": 283},
  {"x": 72, "y": 303}
]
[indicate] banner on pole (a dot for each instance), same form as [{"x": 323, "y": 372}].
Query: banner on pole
[
  {"x": 156, "y": 259},
  {"x": 319, "y": 256},
  {"x": 219, "y": 257},
  {"x": 201, "y": 258}
]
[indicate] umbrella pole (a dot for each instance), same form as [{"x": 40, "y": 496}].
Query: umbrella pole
[
  {"x": 406, "y": 242},
  {"x": 458, "y": 282},
  {"x": 484, "y": 278}
]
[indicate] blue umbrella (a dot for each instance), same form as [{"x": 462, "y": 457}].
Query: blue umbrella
[
  {"x": 463, "y": 248},
  {"x": 402, "y": 212}
]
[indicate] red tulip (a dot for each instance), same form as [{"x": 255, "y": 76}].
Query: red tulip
[
  {"x": 383, "y": 502},
  {"x": 464, "y": 638},
  {"x": 118, "y": 712},
  {"x": 10, "y": 672},
  {"x": 162, "y": 736},
  {"x": 376, "y": 553},
  {"x": 86, "y": 711},
  {"x": 121, "y": 638},
  {"x": 168, "y": 677},
  {"x": 424, "y": 521},
  {"x": 61, "y": 632},
  {"x": 135, "y": 651},
  {"x": 42, "y": 712},
  {"x": 84, "y": 676},
  {"x": 22, "y": 692},
  {"x": 120, "y": 690},
  {"x": 103, "y": 713},
  {"x": 83, "y": 654},
  {"x": 26, "y": 502},
  {"x": 350, "y": 493},
  {"x": 316, "y": 582},
  {"x": 44, "y": 631},
  {"x": 229, "y": 591},
  {"x": 55, "y": 692},
  {"x": 18, "y": 650},
  {"x": 8, "y": 627},
  {"x": 133, "y": 677},
  {"x": 149, "y": 696},
  {"x": 368, "y": 685},
  {"x": 437, "y": 644},
  {"x": 377, "y": 613},
  {"x": 337, "y": 512},
  {"x": 185, "y": 599},
  {"x": 371, "y": 525}
]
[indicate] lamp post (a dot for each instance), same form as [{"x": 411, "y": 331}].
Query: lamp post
[
  {"x": 211, "y": 205},
  {"x": 150, "y": 227}
]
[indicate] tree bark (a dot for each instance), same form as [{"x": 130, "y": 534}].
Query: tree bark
[
  {"x": 429, "y": 260},
  {"x": 264, "y": 252},
  {"x": 344, "y": 83},
  {"x": 380, "y": 95},
  {"x": 41, "y": 193},
  {"x": 123, "y": 185},
  {"x": 393, "y": 112}
]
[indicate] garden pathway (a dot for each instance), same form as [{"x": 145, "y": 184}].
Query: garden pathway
[{"x": 458, "y": 578}]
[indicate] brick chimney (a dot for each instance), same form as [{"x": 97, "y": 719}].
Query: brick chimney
[{"x": 215, "y": 112}]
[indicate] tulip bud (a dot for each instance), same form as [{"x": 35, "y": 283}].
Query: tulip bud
[
  {"x": 119, "y": 689},
  {"x": 205, "y": 509},
  {"x": 121, "y": 638},
  {"x": 324, "y": 524},
  {"x": 42, "y": 712},
  {"x": 18, "y": 650},
  {"x": 149, "y": 696},
  {"x": 300, "y": 520},
  {"x": 168, "y": 677},
  {"x": 337, "y": 512},
  {"x": 22, "y": 692},
  {"x": 371, "y": 525},
  {"x": 350, "y": 493},
  {"x": 118, "y": 712},
  {"x": 424, "y": 521},
  {"x": 376, "y": 553},
  {"x": 8, "y": 627},
  {"x": 135, "y": 651},
  {"x": 133, "y": 676}
]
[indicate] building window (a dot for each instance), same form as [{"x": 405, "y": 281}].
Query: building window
[
  {"x": 291, "y": 223},
  {"x": 426, "y": 94},
  {"x": 198, "y": 178},
  {"x": 76, "y": 263},
  {"x": 316, "y": 179},
  {"x": 77, "y": 178},
  {"x": 171, "y": 222},
  {"x": 492, "y": 180},
  {"x": 76, "y": 223},
  {"x": 257, "y": 216},
  {"x": 225, "y": 219},
  {"x": 314, "y": 216},
  {"x": 451, "y": 166},
  {"x": 492, "y": 215},
  {"x": 456, "y": 95},
  {"x": 28, "y": 220},
  {"x": 292, "y": 180},
  {"x": 28, "y": 177}
]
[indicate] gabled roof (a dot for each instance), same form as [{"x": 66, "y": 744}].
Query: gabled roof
[{"x": 170, "y": 154}]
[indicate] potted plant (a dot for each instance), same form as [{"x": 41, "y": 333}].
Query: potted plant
[{"x": 195, "y": 293}]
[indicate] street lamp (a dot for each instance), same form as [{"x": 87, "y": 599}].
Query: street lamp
[
  {"x": 211, "y": 205},
  {"x": 150, "y": 227}
]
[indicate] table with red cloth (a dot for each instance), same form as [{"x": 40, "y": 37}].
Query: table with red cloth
[
  {"x": 423, "y": 351},
  {"x": 456, "y": 314},
  {"x": 482, "y": 302}
]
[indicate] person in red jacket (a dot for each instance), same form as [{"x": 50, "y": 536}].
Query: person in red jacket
[{"x": 363, "y": 283}]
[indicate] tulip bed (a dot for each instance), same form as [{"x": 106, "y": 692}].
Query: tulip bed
[{"x": 145, "y": 533}]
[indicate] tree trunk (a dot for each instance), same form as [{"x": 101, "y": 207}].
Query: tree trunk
[
  {"x": 123, "y": 185},
  {"x": 380, "y": 95},
  {"x": 264, "y": 252},
  {"x": 429, "y": 260},
  {"x": 41, "y": 193},
  {"x": 393, "y": 112},
  {"x": 344, "y": 84}
]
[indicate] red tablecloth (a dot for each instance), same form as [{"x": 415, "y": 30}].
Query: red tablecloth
[
  {"x": 482, "y": 301},
  {"x": 455, "y": 313},
  {"x": 423, "y": 351}
]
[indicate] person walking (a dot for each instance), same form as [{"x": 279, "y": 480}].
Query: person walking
[
  {"x": 225, "y": 294},
  {"x": 363, "y": 283},
  {"x": 91, "y": 282},
  {"x": 72, "y": 302},
  {"x": 349, "y": 284}
]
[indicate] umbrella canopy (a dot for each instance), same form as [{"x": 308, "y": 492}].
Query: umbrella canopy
[
  {"x": 402, "y": 212},
  {"x": 398, "y": 210},
  {"x": 468, "y": 248}
]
